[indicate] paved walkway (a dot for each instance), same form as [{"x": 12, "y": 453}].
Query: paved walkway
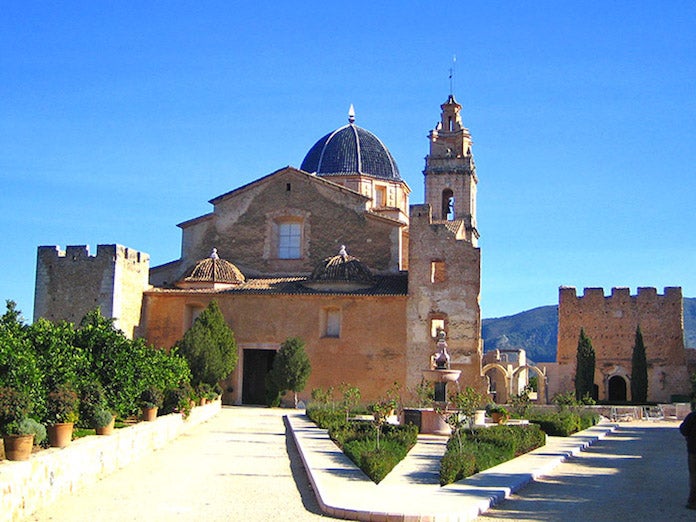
[
  {"x": 242, "y": 465},
  {"x": 238, "y": 466},
  {"x": 638, "y": 472}
]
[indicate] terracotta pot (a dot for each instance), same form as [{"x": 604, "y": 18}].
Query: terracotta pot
[
  {"x": 60, "y": 435},
  {"x": 202, "y": 401},
  {"x": 108, "y": 429},
  {"x": 498, "y": 418},
  {"x": 149, "y": 414},
  {"x": 18, "y": 447}
]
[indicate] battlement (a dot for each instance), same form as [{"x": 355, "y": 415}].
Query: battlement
[
  {"x": 644, "y": 294},
  {"x": 72, "y": 282},
  {"x": 112, "y": 252}
]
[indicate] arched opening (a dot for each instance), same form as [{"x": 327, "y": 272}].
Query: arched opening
[
  {"x": 447, "y": 205},
  {"x": 525, "y": 373},
  {"x": 498, "y": 382},
  {"x": 617, "y": 389}
]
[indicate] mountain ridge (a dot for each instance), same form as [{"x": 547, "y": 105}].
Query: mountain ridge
[{"x": 536, "y": 331}]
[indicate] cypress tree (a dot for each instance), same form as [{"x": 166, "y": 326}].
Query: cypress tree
[
  {"x": 585, "y": 369},
  {"x": 291, "y": 366},
  {"x": 639, "y": 371},
  {"x": 209, "y": 347}
]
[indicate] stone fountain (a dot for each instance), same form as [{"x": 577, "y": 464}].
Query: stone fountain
[{"x": 439, "y": 374}]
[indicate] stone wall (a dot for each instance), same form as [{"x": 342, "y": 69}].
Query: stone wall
[
  {"x": 444, "y": 282},
  {"x": 73, "y": 282},
  {"x": 30, "y": 485},
  {"x": 610, "y": 322},
  {"x": 370, "y": 351},
  {"x": 242, "y": 226}
]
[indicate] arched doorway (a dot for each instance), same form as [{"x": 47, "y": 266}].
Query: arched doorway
[{"x": 617, "y": 389}]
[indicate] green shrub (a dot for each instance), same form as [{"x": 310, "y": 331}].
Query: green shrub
[
  {"x": 29, "y": 426},
  {"x": 62, "y": 405},
  {"x": 151, "y": 397},
  {"x": 358, "y": 440},
  {"x": 478, "y": 450},
  {"x": 375, "y": 463},
  {"x": 564, "y": 423},
  {"x": 457, "y": 464},
  {"x": 326, "y": 417}
]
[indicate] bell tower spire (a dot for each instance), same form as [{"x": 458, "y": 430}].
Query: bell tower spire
[{"x": 450, "y": 172}]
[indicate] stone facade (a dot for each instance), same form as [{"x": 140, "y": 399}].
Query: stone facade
[
  {"x": 368, "y": 350},
  {"x": 367, "y": 335},
  {"x": 244, "y": 225},
  {"x": 71, "y": 283},
  {"x": 611, "y": 322}
]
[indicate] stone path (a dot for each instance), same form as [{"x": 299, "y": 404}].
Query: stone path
[
  {"x": 240, "y": 465},
  {"x": 638, "y": 472}
]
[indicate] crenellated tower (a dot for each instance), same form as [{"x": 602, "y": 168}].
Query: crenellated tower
[{"x": 450, "y": 172}]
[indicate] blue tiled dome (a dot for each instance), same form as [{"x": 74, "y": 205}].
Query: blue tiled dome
[{"x": 351, "y": 150}]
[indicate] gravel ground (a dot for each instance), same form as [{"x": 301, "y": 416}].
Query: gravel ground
[
  {"x": 240, "y": 465},
  {"x": 636, "y": 473}
]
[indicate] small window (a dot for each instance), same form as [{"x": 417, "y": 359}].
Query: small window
[
  {"x": 332, "y": 322},
  {"x": 437, "y": 272},
  {"x": 192, "y": 313},
  {"x": 380, "y": 196},
  {"x": 448, "y": 205},
  {"x": 435, "y": 326},
  {"x": 289, "y": 240}
]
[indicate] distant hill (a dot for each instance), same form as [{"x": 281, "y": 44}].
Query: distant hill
[{"x": 536, "y": 331}]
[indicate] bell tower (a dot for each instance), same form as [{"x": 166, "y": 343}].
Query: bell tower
[{"x": 450, "y": 172}]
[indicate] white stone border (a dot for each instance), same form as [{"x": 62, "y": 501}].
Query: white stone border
[{"x": 30, "y": 485}]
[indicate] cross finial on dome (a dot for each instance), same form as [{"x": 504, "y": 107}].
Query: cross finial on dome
[
  {"x": 214, "y": 254},
  {"x": 351, "y": 114}
]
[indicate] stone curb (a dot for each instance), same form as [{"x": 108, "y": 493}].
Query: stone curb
[{"x": 343, "y": 491}]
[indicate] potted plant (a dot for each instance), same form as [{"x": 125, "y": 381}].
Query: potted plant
[
  {"x": 18, "y": 430},
  {"x": 150, "y": 401},
  {"x": 204, "y": 392},
  {"x": 497, "y": 413},
  {"x": 62, "y": 406},
  {"x": 103, "y": 420}
]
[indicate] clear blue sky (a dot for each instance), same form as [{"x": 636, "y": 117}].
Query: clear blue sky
[{"x": 119, "y": 120}]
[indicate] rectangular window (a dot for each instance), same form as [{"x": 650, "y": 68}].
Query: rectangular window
[
  {"x": 289, "y": 240},
  {"x": 435, "y": 326},
  {"x": 332, "y": 322},
  {"x": 437, "y": 272},
  {"x": 380, "y": 196}
]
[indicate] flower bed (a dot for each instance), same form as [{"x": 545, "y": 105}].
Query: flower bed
[{"x": 469, "y": 452}]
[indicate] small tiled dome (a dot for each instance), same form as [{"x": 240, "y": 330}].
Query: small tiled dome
[
  {"x": 212, "y": 272},
  {"x": 340, "y": 272},
  {"x": 351, "y": 150}
]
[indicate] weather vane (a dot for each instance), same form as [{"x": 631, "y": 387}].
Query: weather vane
[{"x": 451, "y": 73}]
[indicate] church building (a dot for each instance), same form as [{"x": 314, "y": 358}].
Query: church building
[{"x": 330, "y": 252}]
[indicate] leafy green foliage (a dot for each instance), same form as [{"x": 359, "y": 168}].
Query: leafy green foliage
[
  {"x": 291, "y": 367},
  {"x": 326, "y": 416},
  {"x": 62, "y": 405},
  {"x": 350, "y": 397},
  {"x": 585, "y": 369},
  {"x": 565, "y": 422},
  {"x": 15, "y": 406},
  {"x": 19, "y": 368},
  {"x": 639, "y": 371},
  {"x": 209, "y": 347},
  {"x": 358, "y": 441},
  {"x": 482, "y": 449}
]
